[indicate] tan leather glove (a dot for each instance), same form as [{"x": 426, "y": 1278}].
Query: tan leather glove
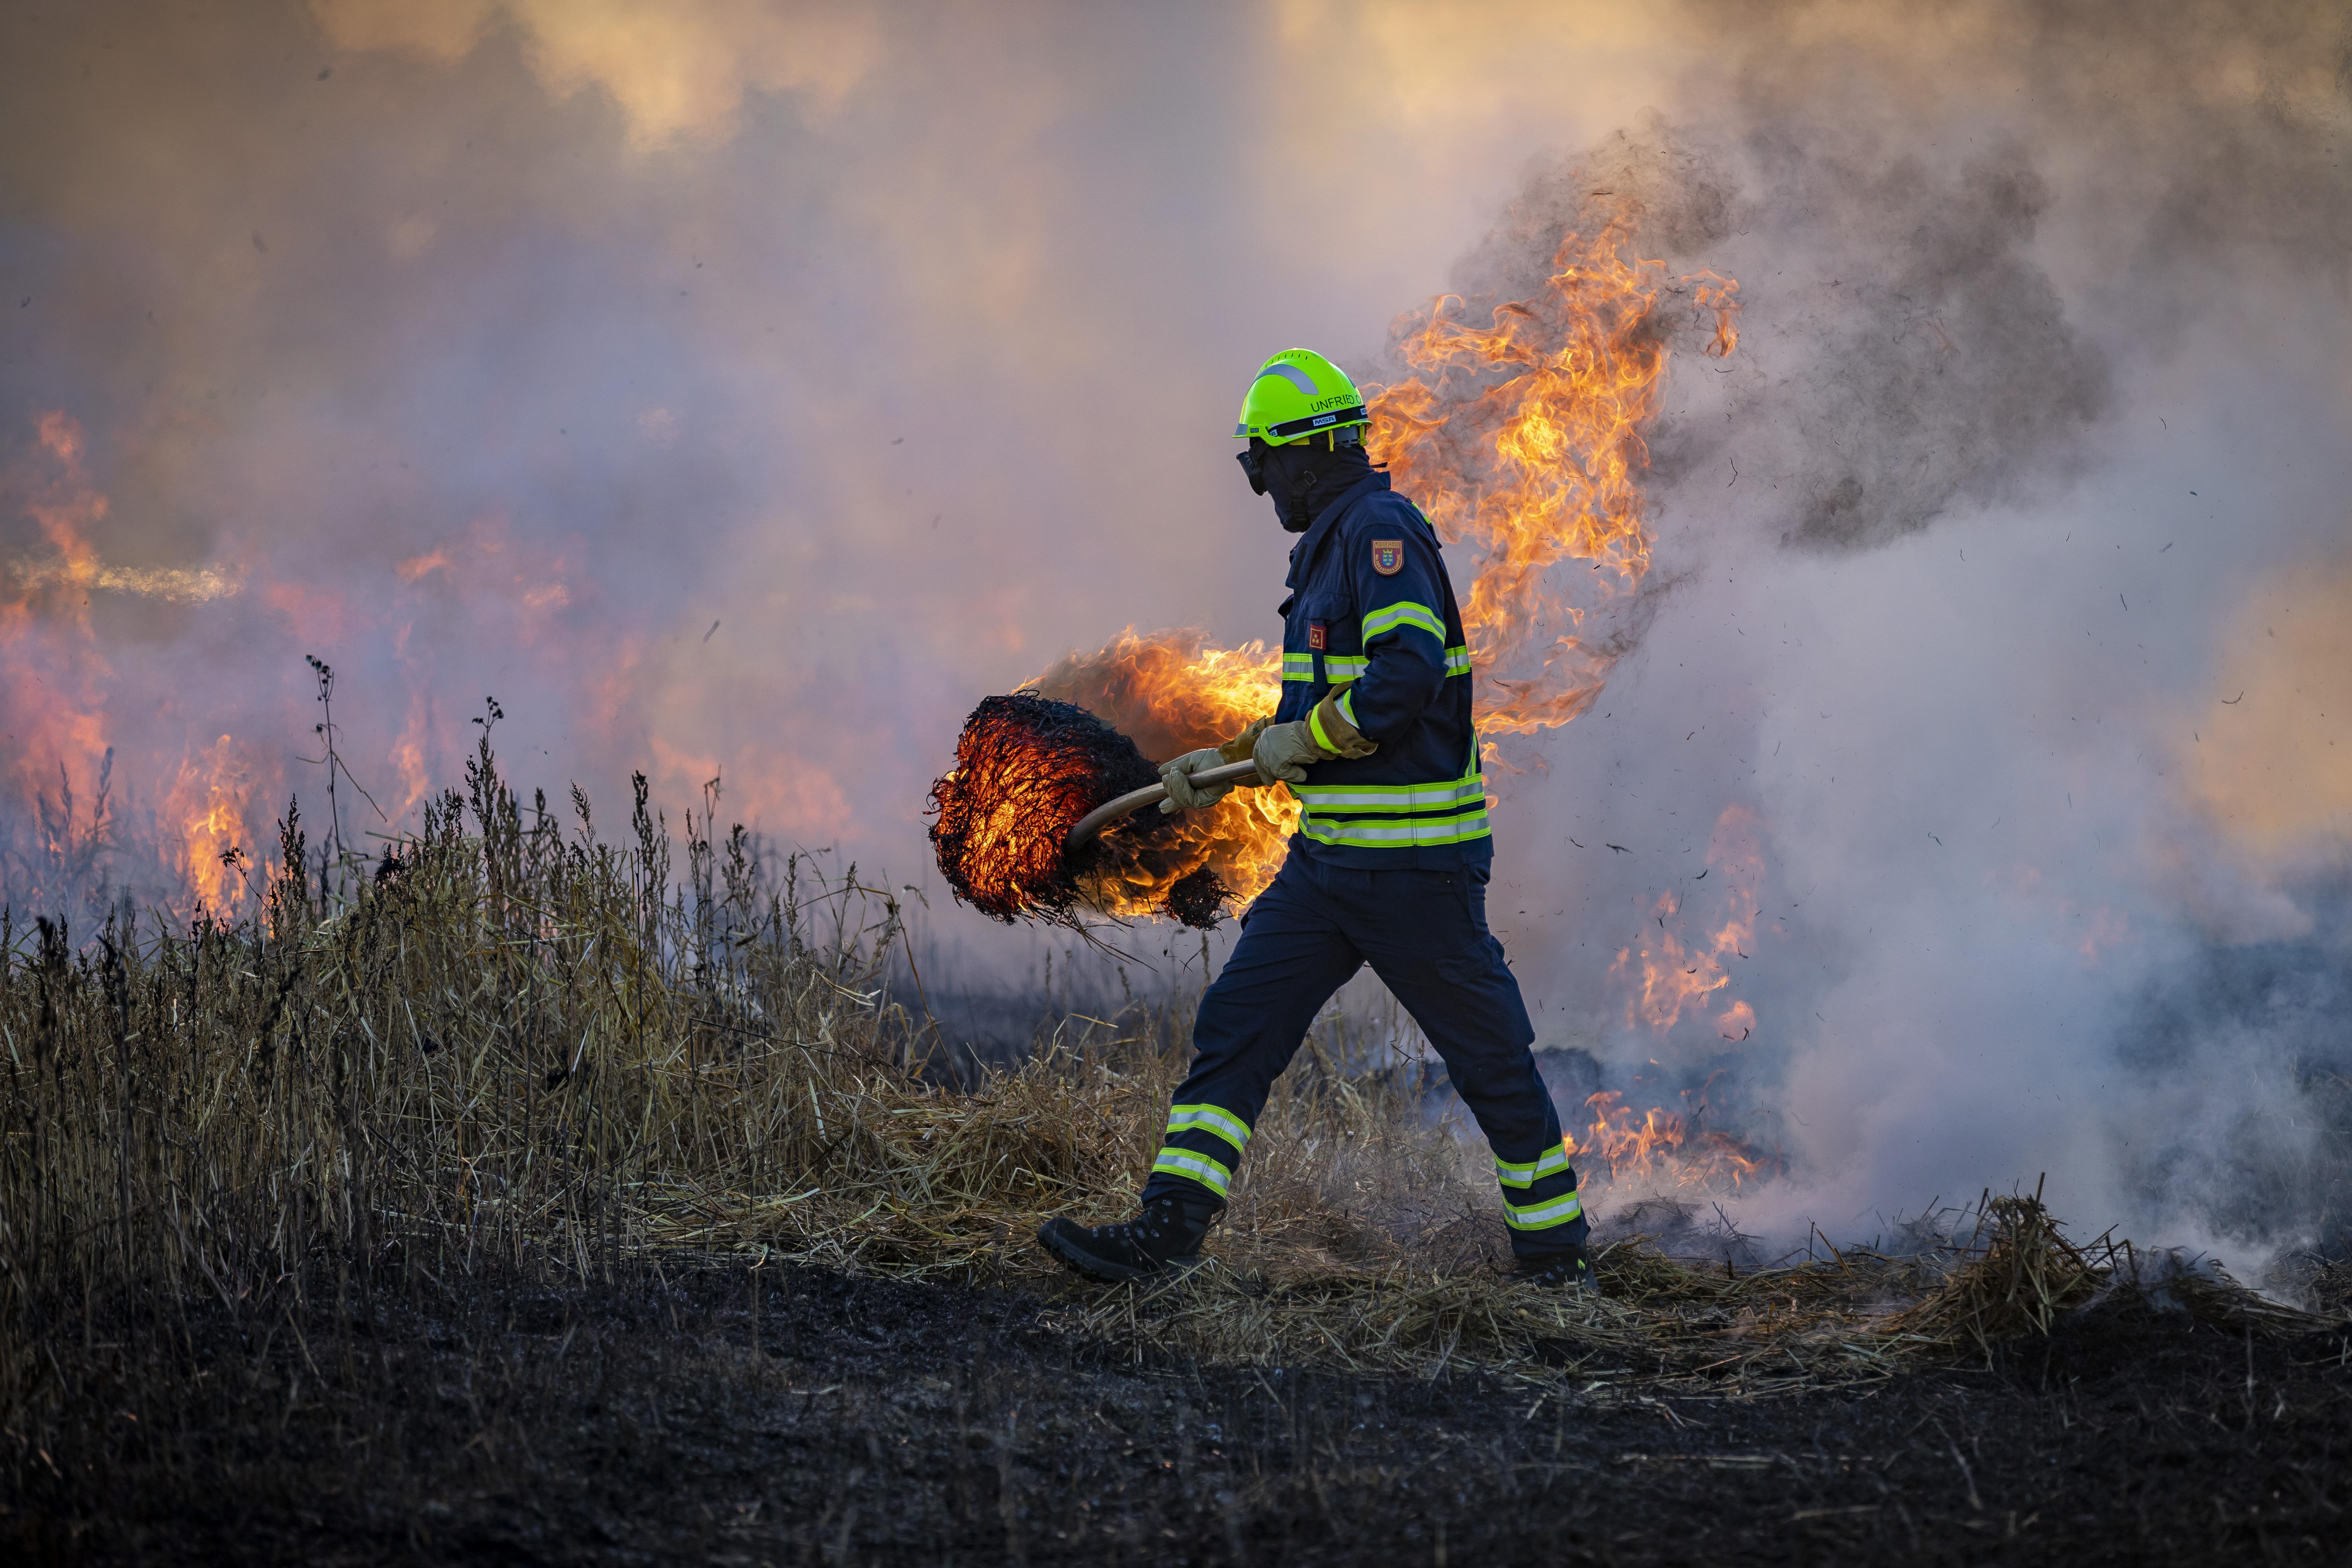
[
  {"x": 1177, "y": 775},
  {"x": 1285, "y": 750},
  {"x": 1242, "y": 747}
]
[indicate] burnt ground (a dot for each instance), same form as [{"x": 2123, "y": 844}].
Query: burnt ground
[{"x": 876, "y": 1421}]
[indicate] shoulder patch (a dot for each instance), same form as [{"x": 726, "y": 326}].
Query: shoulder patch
[{"x": 1387, "y": 556}]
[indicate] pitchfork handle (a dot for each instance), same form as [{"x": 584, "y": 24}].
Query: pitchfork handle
[{"x": 1090, "y": 825}]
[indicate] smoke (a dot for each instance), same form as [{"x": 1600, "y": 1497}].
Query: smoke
[
  {"x": 1980, "y": 545},
  {"x": 741, "y": 391}
]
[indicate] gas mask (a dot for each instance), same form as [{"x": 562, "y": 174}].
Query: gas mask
[{"x": 1299, "y": 475}]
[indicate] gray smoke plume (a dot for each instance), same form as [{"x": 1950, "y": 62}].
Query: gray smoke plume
[
  {"x": 2018, "y": 304},
  {"x": 1915, "y": 358}
]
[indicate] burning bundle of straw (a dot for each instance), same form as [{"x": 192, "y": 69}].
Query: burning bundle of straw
[{"x": 1027, "y": 769}]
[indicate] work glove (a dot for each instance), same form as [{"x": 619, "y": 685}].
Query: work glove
[
  {"x": 1285, "y": 750},
  {"x": 1177, "y": 775}
]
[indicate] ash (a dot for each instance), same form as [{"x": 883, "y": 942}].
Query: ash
[{"x": 723, "y": 1414}]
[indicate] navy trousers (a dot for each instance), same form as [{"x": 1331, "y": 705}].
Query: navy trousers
[{"x": 1425, "y": 934}]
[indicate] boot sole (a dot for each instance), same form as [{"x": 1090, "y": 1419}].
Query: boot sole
[{"x": 1101, "y": 1271}]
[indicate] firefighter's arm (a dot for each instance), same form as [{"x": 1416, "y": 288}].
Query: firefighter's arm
[{"x": 1404, "y": 629}]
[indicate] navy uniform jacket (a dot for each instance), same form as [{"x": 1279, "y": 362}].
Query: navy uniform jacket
[{"x": 1370, "y": 610}]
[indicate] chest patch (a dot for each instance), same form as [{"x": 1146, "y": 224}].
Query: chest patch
[
  {"x": 1387, "y": 556},
  {"x": 1317, "y": 638}
]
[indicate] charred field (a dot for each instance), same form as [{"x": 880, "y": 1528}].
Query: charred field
[
  {"x": 709, "y": 1414},
  {"x": 532, "y": 1199}
]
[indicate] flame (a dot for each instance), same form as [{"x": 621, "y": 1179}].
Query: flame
[
  {"x": 1671, "y": 974},
  {"x": 1521, "y": 440},
  {"x": 207, "y": 802},
  {"x": 52, "y": 679},
  {"x": 1665, "y": 1148},
  {"x": 1170, "y": 693},
  {"x": 72, "y": 506},
  {"x": 67, "y": 833},
  {"x": 409, "y": 757}
]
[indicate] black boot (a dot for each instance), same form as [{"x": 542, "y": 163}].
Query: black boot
[
  {"x": 1558, "y": 1270},
  {"x": 1166, "y": 1235}
]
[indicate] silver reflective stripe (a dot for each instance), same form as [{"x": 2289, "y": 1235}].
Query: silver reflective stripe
[
  {"x": 1298, "y": 667},
  {"x": 1543, "y": 1216},
  {"x": 1458, "y": 661},
  {"x": 1209, "y": 1119},
  {"x": 1348, "y": 709},
  {"x": 1217, "y": 1178},
  {"x": 1528, "y": 1173},
  {"x": 1289, "y": 372}
]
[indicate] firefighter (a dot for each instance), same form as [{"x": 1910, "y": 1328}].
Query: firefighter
[{"x": 1390, "y": 863}]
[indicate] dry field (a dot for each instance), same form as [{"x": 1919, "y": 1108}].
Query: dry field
[{"x": 541, "y": 1201}]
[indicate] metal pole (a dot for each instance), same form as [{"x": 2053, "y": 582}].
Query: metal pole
[{"x": 1090, "y": 825}]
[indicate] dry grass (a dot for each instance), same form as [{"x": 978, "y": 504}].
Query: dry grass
[{"x": 528, "y": 1052}]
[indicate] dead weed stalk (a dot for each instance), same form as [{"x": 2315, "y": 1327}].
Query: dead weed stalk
[{"x": 524, "y": 1050}]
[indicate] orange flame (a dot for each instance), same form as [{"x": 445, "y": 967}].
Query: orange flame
[
  {"x": 207, "y": 805},
  {"x": 61, "y": 754},
  {"x": 49, "y": 666},
  {"x": 1522, "y": 440},
  {"x": 1671, "y": 974},
  {"x": 52, "y": 678},
  {"x": 1663, "y": 1148},
  {"x": 1170, "y": 693}
]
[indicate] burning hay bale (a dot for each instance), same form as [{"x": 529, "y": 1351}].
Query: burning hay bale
[{"x": 1027, "y": 769}]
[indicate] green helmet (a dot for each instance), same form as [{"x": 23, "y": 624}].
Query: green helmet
[{"x": 1297, "y": 394}]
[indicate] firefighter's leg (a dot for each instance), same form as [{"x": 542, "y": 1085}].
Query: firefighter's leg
[
  {"x": 1291, "y": 956},
  {"x": 1425, "y": 935}
]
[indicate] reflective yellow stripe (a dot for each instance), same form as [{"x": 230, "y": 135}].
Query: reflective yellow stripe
[
  {"x": 1298, "y": 667},
  {"x": 1378, "y": 832},
  {"x": 1543, "y": 1216},
  {"x": 1377, "y": 797},
  {"x": 1209, "y": 1119},
  {"x": 1315, "y": 726},
  {"x": 1218, "y": 1178},
  {"x": 1466, "y": 796},
  {"x": 1514, "y": 1173},
  {"x": 1340, "y": 667},
  {"x": 1391, "y": 616}
]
